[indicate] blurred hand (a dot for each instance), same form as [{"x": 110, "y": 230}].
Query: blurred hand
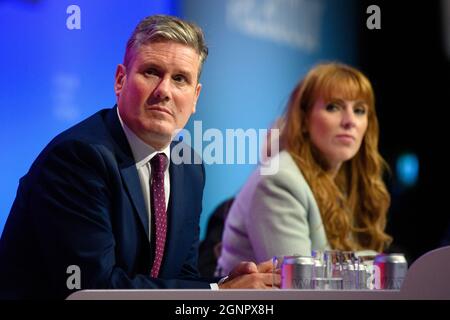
[
  {"x": 265, "y": 266},
  {"x": 248, "y": 275}
]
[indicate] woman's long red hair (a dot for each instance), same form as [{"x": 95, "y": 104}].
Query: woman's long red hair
[{"x": 354, "y": 205}]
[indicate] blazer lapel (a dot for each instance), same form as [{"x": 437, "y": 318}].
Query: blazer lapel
[
  {"x": 127, "y": 167},
  {"x": 133, "y": 185}
]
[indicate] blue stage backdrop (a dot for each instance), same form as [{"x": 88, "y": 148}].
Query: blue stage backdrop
[{"x": 54, "y": 76}]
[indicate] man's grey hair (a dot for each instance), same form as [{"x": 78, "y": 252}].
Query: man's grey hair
[{"x": 166, "y": 28}]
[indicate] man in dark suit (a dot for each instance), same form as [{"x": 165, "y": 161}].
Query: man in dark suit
[{"x": 104, "y": 205}]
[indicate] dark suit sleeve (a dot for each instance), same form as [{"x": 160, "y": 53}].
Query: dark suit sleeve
[{"x": 71, "y": 202}]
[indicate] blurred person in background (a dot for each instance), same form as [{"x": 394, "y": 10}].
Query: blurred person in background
[{"x": 328, "y": 192}]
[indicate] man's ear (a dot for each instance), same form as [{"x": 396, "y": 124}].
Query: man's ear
[
  {"x": 119, "y": 79},
  {"x": 197, "y": 94}
]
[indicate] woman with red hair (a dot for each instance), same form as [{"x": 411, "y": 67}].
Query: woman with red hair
[{"x": 328, "y": 191}]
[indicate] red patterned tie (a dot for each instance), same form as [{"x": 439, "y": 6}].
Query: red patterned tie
[{"x": 158, "y": 200}]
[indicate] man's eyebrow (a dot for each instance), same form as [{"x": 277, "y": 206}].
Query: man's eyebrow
[
  {"x": 151, "y": 64},
  {"x": 182, "y": 71},
  {"x": 190, "y": 75}
]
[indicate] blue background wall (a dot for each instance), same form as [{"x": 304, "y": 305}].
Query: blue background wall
[{"x": 53, "y": 77}]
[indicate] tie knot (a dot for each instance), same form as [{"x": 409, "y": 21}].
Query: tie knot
[{"x": 158, "y": 163}]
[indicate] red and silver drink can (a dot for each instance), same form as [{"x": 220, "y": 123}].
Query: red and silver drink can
[
  {"x": 297, "y": 272},
  {"x": 390, "y": 271}
]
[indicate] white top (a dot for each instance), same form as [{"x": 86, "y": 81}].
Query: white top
[{"x": 273, "y": 215}]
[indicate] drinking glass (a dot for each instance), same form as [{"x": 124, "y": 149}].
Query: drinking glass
[{"x": 327, "y": 283}]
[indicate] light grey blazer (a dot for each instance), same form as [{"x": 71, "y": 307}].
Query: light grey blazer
[{"x": 273, "y": 215}]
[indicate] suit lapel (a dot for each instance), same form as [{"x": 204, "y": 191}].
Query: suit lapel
[
  {"x": 133, "y": 185},
  {"x": 127, "y": 167}
]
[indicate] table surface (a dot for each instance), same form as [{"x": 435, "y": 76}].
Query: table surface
[{"x": 427, "y": 278}]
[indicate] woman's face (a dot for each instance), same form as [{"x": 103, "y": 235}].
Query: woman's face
[{"x": 337, "y": 128}]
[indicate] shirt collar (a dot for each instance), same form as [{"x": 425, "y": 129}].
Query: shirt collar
[{"x": 142, "y": 152}]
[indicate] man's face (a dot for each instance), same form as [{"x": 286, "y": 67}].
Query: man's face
[{"x": 158, "y": 92}]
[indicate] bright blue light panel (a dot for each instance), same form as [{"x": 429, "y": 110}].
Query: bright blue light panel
[{"x": 408, "y": 169}]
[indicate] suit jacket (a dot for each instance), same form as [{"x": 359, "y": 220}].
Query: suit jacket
[
  {"x": 81, "y": 204},
  {"x": 273, "y": 215}
]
